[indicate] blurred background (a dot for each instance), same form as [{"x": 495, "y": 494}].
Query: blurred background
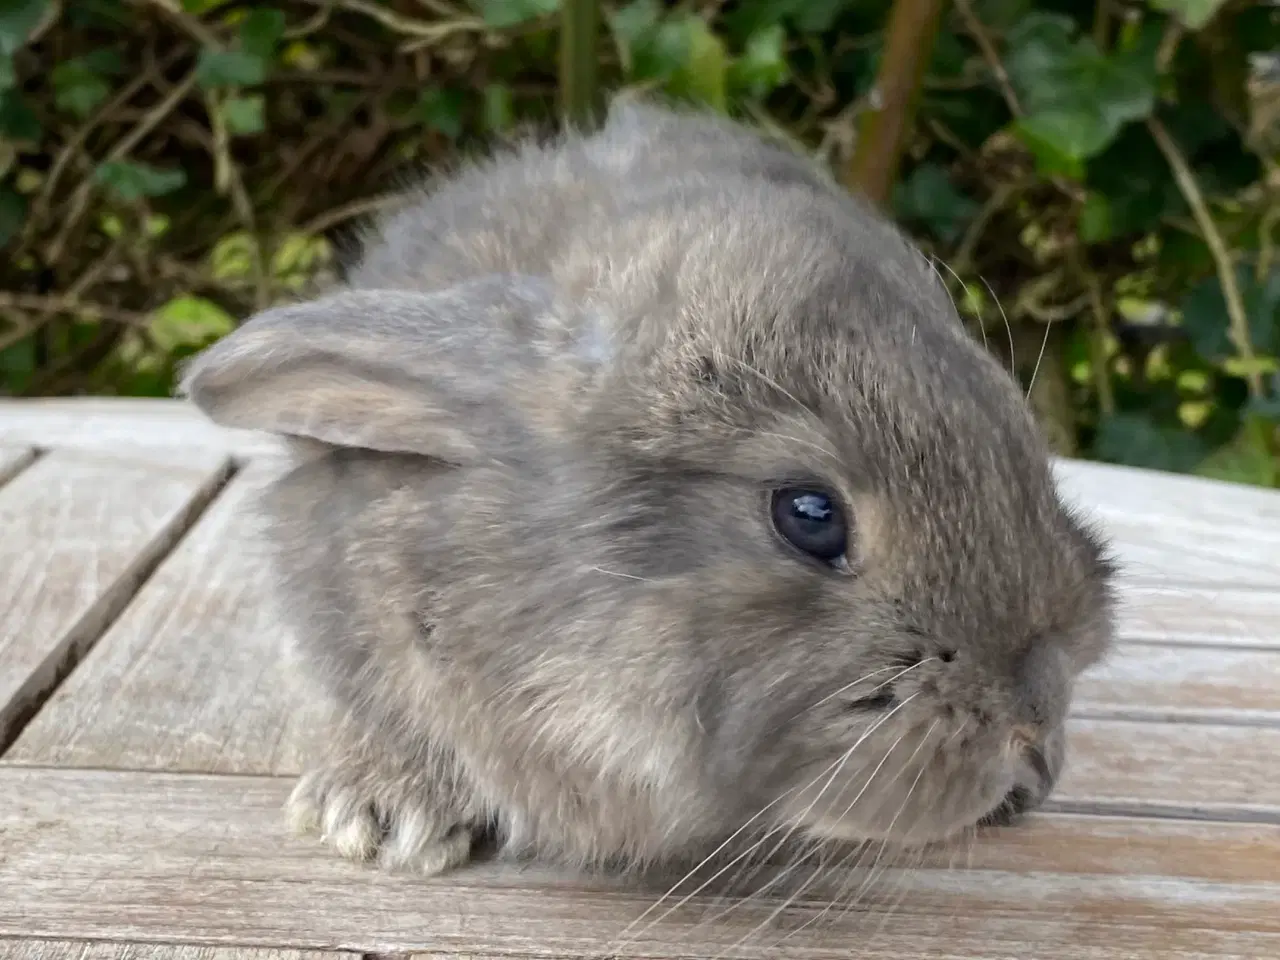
[{"x": 1102, "y": 178}]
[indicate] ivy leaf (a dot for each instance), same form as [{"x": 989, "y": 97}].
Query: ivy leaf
[
  {"x": 1076, "y": 99},
  {"x": 1242, "y": 460},
  {"x": 1208, "y": 326},
  {"x": 1193, "y": 14},
  {"x": 927, "y": 196},
  {"x": 229, "y": 68},
  {"x": 79, "y": 84},
  {"x": 441, "y": 110},
  {"x": 1135, "y": 440},
  {"x": 512, "y": 13},
  {"x": 188, "y": 322},
  {"x": 261, "y": 32},
  {"x": 499, "y": 110},
  {"x": 704, "y": 74},
  {"x": 18, "y": 20},
  {"x": 132, "y": 181},
  {"x": 762, "y": 67},
  {"x": 244, "y": 116}
]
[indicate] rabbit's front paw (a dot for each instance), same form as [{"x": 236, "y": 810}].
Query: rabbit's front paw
[{"x": 367, "y": 815}]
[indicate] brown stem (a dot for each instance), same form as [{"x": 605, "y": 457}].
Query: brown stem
[{"x": 909, "y": 38}]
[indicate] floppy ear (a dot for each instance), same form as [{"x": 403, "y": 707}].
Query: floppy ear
[{"x": 394, "y": 371}]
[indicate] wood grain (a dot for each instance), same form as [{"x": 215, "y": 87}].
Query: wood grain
[
  {"x": 196, "y": 859},
  {"x": 1202, "y": 684},
  {"x": 113, "y": 424},
  {"x": 1186, "y": 769},
  {"x": 1168, "y": 529},
  {"x": 80, "y": 532},
  {"x": 1218, "y": 616},
  {"x": 12, "y": 460},
  {"x": 82, "y": 950},
  {"x": 191, "y": 676}
]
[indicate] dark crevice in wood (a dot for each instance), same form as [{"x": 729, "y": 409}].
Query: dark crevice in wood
[
  {"x": 44, "y": 681},
  {"x": 14, "y": 470}
]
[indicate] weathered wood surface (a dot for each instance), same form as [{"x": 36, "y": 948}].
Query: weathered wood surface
[
  {"x": 81, "y": 530},
  {"x": 85, "y": 950},
  {"x": 129, "y": 856},
  {"x": 140, "y": 803},
  {"x": 191, "y": 677}
]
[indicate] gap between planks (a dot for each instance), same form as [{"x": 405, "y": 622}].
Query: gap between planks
[{"x": 86, "y": 530}]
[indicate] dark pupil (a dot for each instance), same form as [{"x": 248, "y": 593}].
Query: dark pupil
[{"x": 811, "y": 521}]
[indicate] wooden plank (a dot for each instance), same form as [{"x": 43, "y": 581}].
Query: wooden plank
[
  {"x": 1202, "y": 684},
  {"x": 83, "y": 950},
  {"x": 12, "y": 460},
  {"x": 1157, "y": 495},
  {"x": 191, "y": 675},
  {"x": 117, "y": 423},
  {"x": 81, "y": 531},
  {"x": 1219, "y": 616},
  {"x": 1184, "y": 769},
  {"x": 1169, "y": 529},
  {"x": 206, "y": 859}
]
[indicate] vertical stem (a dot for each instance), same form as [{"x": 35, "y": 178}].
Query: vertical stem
[
  {"x": 909, "y": 38},
  {"x": 579, "y": 29}
]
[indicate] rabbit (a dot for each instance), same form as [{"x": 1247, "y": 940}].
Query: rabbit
[{"x": 648, "y": 487}]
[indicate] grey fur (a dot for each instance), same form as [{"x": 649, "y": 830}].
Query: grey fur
[{"x": 532, "y": 565}]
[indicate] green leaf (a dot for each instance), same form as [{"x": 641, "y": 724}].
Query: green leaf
[
  {"x": 13, "y": 212},
  {"x": 18, "y": 20},
  {"x": 244, "y": 116},
  {"x": 17, "y": 120},
  {"x": 441, "y": 110},
  {"x": 686, "y": 56},
  {"x": 229, "y": 68},
  {"x": 499, "y": 109},
  {"x": 1097, "y": 223},
  {"x": 512, "y": 13},
  {"x": 928, "y": 197},
  {"x": 1193, "y": 14},
  {"x": 189, "y": 322},
  {"x": 8, "y": 78},
  {"x": 1208, "y": 326},
  {"x": 79, "y": 84},
  {"x": 132, "y": 181},
  {"x": 633, "y": 26},
  {"x": 261, "y": 32},
  {"x": 1243, "y": 460},
  {"x": 762, "y": 67},
  {"x": 1076, "y": 99},
  {"x": 1136, "y": 440}
]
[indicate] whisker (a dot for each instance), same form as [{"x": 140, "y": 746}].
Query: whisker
[{"x": 1034, "y": 373}]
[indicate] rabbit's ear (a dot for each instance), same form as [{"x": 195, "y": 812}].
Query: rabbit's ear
[{"x": 381, "y": 370}]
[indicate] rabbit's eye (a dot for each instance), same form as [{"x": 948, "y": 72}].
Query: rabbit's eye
[{"x": 812, "y": 522}]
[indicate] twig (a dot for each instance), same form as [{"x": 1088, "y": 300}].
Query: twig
[
  {"x": 349, "y": 211},
  {"x": 192, "y": 25},
  {"x": 80, "y": 198},
  {"x": 1217, "y": 247},
  {"x": 1098, "y": 343},
  {"x": 438, "y": 30},
  {"x": 77, "y": 140},
  {"x": 989, "y": 54},
  {"x": 49, "y": 307}
]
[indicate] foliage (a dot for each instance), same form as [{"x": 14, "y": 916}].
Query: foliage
[{"x": 1100, "y": 179}]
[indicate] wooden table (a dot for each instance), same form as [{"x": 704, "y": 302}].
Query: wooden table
[{"x": 149, "y": 743}]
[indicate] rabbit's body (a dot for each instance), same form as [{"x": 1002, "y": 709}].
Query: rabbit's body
[{"x": 538, "y": 565}]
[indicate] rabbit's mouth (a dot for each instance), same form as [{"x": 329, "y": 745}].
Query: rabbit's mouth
[{"x": 1022, "y": 797}]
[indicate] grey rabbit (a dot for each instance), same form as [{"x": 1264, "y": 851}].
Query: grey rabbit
[{"x": 650, "y": 487}]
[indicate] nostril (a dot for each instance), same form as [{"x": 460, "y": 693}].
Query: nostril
[{"x": 946, "y": 656}]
